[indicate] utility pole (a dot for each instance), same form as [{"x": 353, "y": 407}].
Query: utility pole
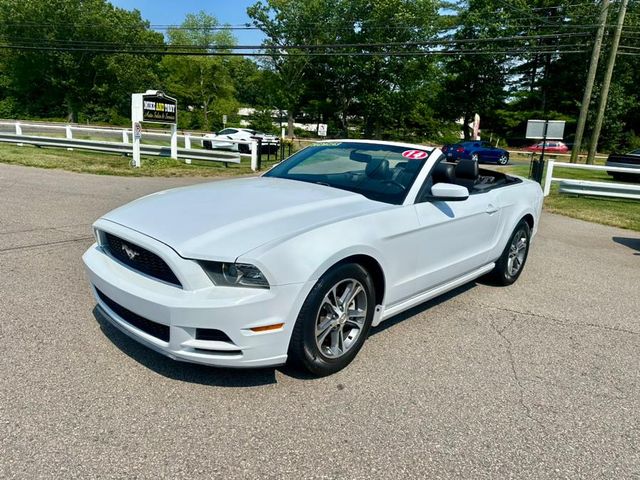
[
  {"x": 593, "y": 67},
  {"x": 607, "y": 83}
]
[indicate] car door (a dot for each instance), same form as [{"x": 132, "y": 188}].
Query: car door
[
  {"x": 455, "y": 237},
  {"x": 489, "y": 152}
]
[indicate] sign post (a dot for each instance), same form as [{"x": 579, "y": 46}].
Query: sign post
[
  {"x": 153, "y": 106},
  {"x": 174, "y": 141},
  {"x": 136, "y": 118},
  {"x": 322, "y": 129},
  {"x": 543, "y": 130}
]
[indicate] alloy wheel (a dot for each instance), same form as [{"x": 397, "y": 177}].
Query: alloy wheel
[
  {"x": 341, "y": 318},
  {"x": 517, "y": 253}
]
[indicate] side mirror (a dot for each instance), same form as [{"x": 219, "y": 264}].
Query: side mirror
[{"x": 449, "y": 192}]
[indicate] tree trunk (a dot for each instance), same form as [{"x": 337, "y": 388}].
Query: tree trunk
[
  {"x": 368, "y": 127},
  {"x": 533, "y": 74},
  {"x": 205, "y": 103},
  {"x": 72, "y": 109},
  {"x": 545, "y": 83},
  {"x": 465, "y": 125},
  {"x": 73, "y": 115},
  {"x": 345, "y": 123},
  {"x": 290, "y": 123}
]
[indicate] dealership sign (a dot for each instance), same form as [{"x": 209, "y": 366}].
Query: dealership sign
[
  {"x": 158, "y": 108},
  {"x": 153, "y": 106}
]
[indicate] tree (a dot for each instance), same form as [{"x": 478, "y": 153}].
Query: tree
[
  {"x": 70, "y": 82},
  {"x": 201, "y": 82},
  {"x": 349, "y": 81},
  {"x": 475, "y": 82}
]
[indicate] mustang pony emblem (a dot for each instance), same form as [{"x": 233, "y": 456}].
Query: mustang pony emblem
[{"x": 130, "y": 252}]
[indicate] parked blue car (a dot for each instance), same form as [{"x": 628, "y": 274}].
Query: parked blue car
[{"x": 476, "y": 150}]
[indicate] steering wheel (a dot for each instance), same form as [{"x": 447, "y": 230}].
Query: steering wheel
[{"x": 396, "y": 183}]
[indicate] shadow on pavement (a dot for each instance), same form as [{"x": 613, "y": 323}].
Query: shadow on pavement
[
  {"x": 423, "y": 307},
  {"x": 184, "y": 372},
  {"x": 632, "y": 243}
]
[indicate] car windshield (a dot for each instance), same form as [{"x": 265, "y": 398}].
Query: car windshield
[
  {"x": 635, "y": 152},
  {"x": 383, "y": 173}
]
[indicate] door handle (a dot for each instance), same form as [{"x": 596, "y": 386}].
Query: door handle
[{"x": 491, "y": 209}]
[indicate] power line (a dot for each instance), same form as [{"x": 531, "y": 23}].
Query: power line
[
  {"x": 558, "y": 51},
  {"x": 388, "y": 24},
  {"x": 432, "y": 42}
]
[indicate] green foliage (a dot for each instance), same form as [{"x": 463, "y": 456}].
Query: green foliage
[
  {"x": 416, "y": 98},
  {"x": 59, "y": 83},
  {"x": 202, "y": 84},
  {"x": 551, "y": 85},
  {"x": 335, "y": 89},
  {"x": 262, "y": 121}
]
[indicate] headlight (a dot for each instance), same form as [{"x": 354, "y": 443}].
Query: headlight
[{"x": 234, "y": 275}]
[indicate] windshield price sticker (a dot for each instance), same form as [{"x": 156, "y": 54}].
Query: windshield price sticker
[{"x": 414, "y": 154}]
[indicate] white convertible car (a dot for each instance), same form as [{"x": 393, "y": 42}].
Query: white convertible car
[{"x": 299, "y": 263}]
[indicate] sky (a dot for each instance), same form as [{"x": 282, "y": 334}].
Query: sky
[{"x": 171, "y": 12}]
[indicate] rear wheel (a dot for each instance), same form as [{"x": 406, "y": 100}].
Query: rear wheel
[
  {"x": 511, "y": 263},
  {"x": 334, "y": 321},
  {"x": 475, "y": 157}
]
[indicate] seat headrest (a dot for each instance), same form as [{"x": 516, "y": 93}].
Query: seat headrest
[
  {"x": 377, "y": 168},
  {"x": 443, "y": 172},
  {"x": 467, "y": 169}
]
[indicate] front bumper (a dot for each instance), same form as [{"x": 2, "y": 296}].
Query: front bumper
[{"x": 199, "y": 305}]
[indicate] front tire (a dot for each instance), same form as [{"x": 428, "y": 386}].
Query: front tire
[
  {"x": 503, "y": 160},
  {"x": 334, "y": 321},
  {"x": 511, "y": 263}
]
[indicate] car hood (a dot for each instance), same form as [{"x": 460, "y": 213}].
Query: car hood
[{"x": 222, "y": 220}]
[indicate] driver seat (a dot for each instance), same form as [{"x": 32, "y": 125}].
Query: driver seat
[
  {"x": 443, "y": 172},
  {"x": 467, "y": 173},
  {"x": 378, "y": 168}
]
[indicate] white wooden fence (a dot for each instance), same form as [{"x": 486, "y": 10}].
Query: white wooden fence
[{"x": 62, "y": 136}]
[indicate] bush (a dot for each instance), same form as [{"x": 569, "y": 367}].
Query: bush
[
  {"x": 262, "y": 121},
  {"x": 9, "y": 108}
]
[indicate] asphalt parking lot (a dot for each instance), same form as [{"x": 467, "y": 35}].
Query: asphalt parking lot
[{"x": 537, "y": 380}]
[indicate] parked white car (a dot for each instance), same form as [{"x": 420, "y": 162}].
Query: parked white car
[
  {"x": 238, "y": 139},
  {"x": 299, "y": 263}
]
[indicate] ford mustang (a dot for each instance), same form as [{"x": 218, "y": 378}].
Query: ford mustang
[
  {"x": 481, "y": 152},
  {"x": 300, "y": 263}
]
